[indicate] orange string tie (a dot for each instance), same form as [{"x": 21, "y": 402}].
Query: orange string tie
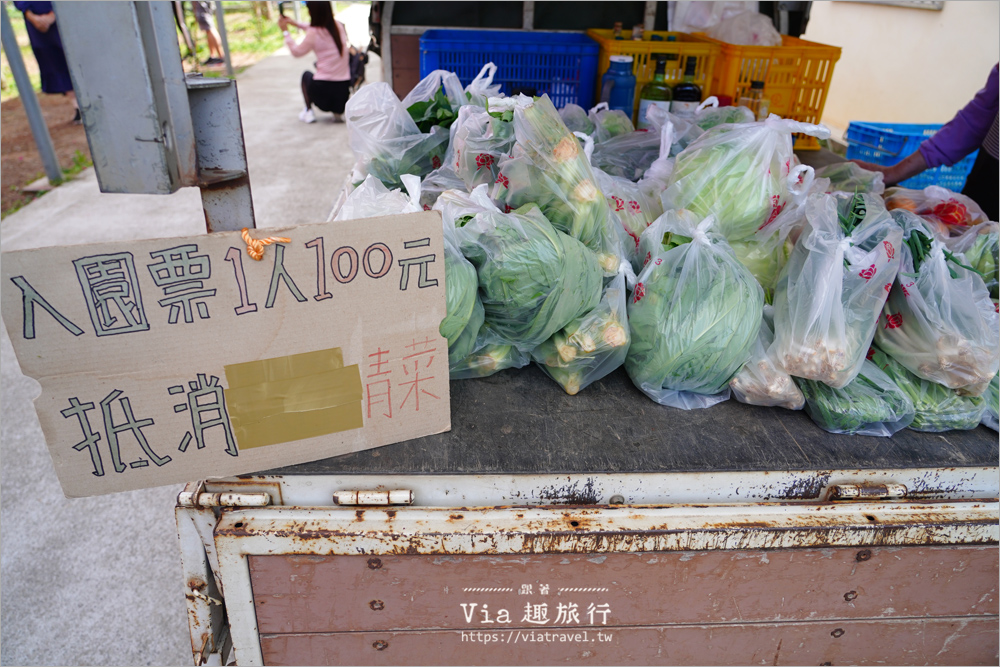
[{"x": 255, "y": 247}]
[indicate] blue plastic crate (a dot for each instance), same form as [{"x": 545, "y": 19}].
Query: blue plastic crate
[
  {"x": 562, "y": 65},
  {"x": 888, "y": 143}
]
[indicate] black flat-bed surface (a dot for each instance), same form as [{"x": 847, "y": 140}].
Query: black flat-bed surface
[{"x": 520, "y": 421}]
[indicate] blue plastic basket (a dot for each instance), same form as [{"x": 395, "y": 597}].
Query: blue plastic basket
[
  {"x": 888, "y": 143},
  {"x": 563, "y": 65}
]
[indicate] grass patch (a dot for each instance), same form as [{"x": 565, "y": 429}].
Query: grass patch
[{"x": 8, "y": 87}]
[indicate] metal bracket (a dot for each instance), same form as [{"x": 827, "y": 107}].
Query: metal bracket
[
  {"x": 867, "y": 491},
  {"x": 198, "y": 498},
  {"x": 395, "y": 497}
]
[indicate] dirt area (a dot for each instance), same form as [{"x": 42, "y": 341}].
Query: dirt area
[{"x": 20, "y": 163}]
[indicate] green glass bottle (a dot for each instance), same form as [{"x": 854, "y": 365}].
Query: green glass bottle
[{"x": 655, "y": 93}]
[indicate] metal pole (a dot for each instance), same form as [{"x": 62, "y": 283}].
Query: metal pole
[
  {"x": 220, "y": 19},
  {"x": 38, "y": 128},
  {"x": 295, "y": 12}
]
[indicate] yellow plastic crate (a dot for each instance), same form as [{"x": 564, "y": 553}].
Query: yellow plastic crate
[
  {"x": 644, "y": 54},
  {"x": 796, "y": 77}
]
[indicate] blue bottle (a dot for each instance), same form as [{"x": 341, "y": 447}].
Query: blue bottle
[{"x": 618, "y": 85}]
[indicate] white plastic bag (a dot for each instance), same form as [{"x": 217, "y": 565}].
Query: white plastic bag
[
  {"x": 438, "y": 79},
  {"x": 457, "y": 207},
  {"x": 939, "y": 321},
  {"x": 991, "y": 417},
  {"x": 871, "y": 404},
  {"x": 699, "y": 16},
  {"x": 829, "y": 294},
  {"x": 738, "y": 173},
  {"x": 609, "y": 123},
  {"x": 849, "y": 177},
  {"x": 748, "y": 29},
  {"x": 549, "y": 168},
  {"x": 386, "y": 141},
  {"x": 951, "y": 215},
  {"x": 435, "y": 183},
  {"x": 533, "y": 279},
  {"x": 482, "y": 87},
  {"x": 372, "y": 199},
  {"x": 478, "y": 141},
  {"x": 694, "y": 315},
  {"x": 633, "y": 208},
  {"x": 592, "y": 345},
  {"x": 762, "y": 381},
  {"x": 576, "y": 119}
]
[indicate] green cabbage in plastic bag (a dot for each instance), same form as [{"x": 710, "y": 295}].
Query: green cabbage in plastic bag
[
  {"x": 694, "y": 314},
  {"x": 533, "y": 279}
]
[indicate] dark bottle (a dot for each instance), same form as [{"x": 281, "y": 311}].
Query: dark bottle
[
  {"x": 687, "y": 94},
  {"x": 655, "y": 93}
]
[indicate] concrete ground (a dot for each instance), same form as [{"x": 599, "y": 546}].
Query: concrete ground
[{"x": 97, "y": 581}]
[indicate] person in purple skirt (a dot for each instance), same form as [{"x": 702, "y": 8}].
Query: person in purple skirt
[
  {"x": 974, "y": 126},
  {"x": 43, "y": 33}
]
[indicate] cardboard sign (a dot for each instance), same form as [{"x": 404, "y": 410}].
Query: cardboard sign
[{"x": 172, "y": 360}]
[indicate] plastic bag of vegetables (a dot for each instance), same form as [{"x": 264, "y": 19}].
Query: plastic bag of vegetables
[
  {"x": 762, "y": 381},
  {"x": 709, "y": 114},
  {"x": 482, "y": 87},
  {"x": 591, "y": 346},
  {"x": 936, "y": 408},
  {"x": 982, "y": 252},
  {"x": 533, "y": 279},
  {"x": 435, "y": 100},
  {"x": 609, "y": 123},
  {"x": 939, "y": 321},
  {"x": 480, "y": 137},
  {"x": 372, "y": 199},
  {"x": 627, "y": 155},
  {"x": 386, "y": 140},
  {"x": 829, "y": 295},
  {"x": 870, "y": 404},
  {"x": 465, "y": 314},
  {"x": 548, "y": 167},
  {"x": 487, "y": 359},
  {"x": 849, "y": 177},
  {"x": 459, "y": 207},
  {"x": 992, "y": 398},
  {"x": 949, "y": 214},
  {"x": 576, "y": 119},
  {"x": 694, "y": 314},
  {"x": 738, "y": 173},
  {"x": 436, "y": 182},
  {"x": 633, "y": 207}
]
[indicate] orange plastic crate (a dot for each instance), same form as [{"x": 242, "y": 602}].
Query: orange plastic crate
[
  {"x": 644, "y": 54},
  {"x": 796, "y": 77}
]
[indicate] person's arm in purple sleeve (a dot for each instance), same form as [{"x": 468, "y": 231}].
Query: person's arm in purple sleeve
[
  {"x": 965, "y": 132},
  {"x": 960, "y": 137}
]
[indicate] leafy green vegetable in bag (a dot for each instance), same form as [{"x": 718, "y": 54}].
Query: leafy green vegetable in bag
[
  {"x": 533, "y": 279},
  {"x": 488, "y": 359},
  {"x": 436, "y": 111},
  {"x": 991, "y": 416},
  {"x": 937, "y": 408},
  {"x": 870, "y": 404},
  {"x": 983, "y": 258},
  {"x": 694, "y": 314},
  {"x": 549, "y": 168},
  {"x": 462, "y": 297}
]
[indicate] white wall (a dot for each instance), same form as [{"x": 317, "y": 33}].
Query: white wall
[{"x": 905, "y": 65}]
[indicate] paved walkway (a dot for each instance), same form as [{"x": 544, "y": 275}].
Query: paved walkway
[{"x": 97, "y": 581}]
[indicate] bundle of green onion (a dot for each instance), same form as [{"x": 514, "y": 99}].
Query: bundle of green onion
[
  {"x": 936, "y": 408},
  {"x": 871, "y": 404},
  {"x": 984, "y": 257}
]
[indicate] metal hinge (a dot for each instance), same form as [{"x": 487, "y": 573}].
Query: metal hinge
[
  {"x": 198, "y": 498},
  {"x": 867, "y": 491},
  {"x": 394, "y": 497}
]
